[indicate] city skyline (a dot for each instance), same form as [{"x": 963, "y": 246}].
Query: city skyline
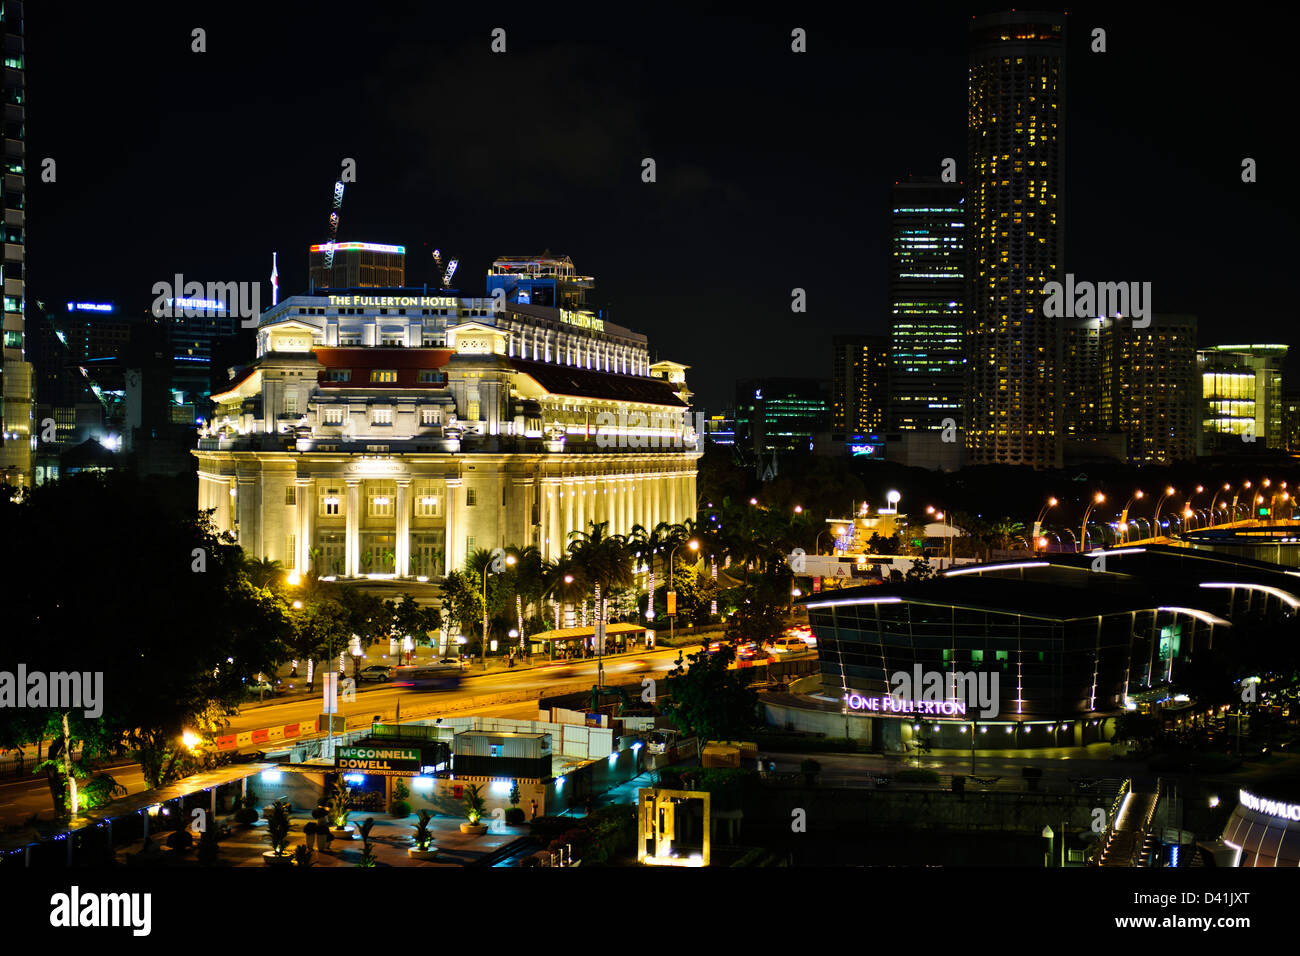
[{"x": 684, "y": 273}]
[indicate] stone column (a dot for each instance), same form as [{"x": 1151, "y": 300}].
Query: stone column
[
  {"x": 250, "y": 524},
  {"x": 352, "y": 546},
  {"x": 305, "y": 495},
  {"x": 403, "y": 549},
  {"x": 580, "y": 511},
  {"x": 451, "y": 501}
]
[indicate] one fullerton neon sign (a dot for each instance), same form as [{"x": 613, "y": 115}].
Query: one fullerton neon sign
[{"x": 897, "y": 705}]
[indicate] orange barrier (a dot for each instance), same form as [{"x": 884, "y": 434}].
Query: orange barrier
[{"x": 265, "y": 735}]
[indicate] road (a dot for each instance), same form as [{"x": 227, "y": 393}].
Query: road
[{"x": 21, "y": 798}]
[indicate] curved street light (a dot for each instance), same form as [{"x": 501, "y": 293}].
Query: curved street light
[
  {"x": 1226, "y": 487},
  {"x": 1097, "y": 499},
  {"x": 1042, "y": 515},
  {"x": 1169, "y": 492},
  {"x": 1123, "y": 515},
  {"x": 1245, "y": 486}
]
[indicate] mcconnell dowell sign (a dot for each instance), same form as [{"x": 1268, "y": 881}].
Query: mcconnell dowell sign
[{"x": 378, "y": 759}]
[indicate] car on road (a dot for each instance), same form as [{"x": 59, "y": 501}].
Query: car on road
[
  {"x": 262, "y": 688},
  {"x": 803, "y": 632},
  {"x": 748, "y": 651},
  {"x": 376, "y": 672},
  {"x": 790, "y": 646}
]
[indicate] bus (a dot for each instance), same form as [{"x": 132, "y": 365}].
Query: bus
[{"x": 427, "y": 676}]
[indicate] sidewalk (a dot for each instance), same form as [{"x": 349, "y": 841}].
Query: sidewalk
[{"x": 390, "y": 838}]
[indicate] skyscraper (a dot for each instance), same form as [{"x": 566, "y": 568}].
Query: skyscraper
[
  {"x": 927, "y": 292},
  {"x": 1149, "y": 388},
  {"x": 860, "y": 385},
  {"x": 1016, "y": 153},
  {"x": 16, "y": 401}
]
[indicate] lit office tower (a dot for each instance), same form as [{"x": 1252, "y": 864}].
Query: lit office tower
[
  {"x": 1149, "y": 389},
  {"x": 1241, "y": 391},
  {"x": 16, "y": 403},
  {"x": 1015, "y": 124},
  {"x": 927, "y": 289},
  {"x": 859, "y": 384}
]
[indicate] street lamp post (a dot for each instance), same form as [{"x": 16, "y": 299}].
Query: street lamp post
[
  {"x": 1042, "y": 516},
  {"x": 672, "y": 618},
  {"x": 1123, "y": 517},
  {"x": 510, "y": 560},
  {"x": 1226, "y": 487},
  {"x": 1188, "y": 510},
  {"x": 1168, "y": 493},
  {"x": 1097, "y": 499},
  {"x": 947, "y": 523},
  {"x": 1245, "y": 486}
]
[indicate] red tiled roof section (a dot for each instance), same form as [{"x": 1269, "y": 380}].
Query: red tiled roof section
[
  {"x": 407, "y": 363},
  {"x": 567, "y": 380}
]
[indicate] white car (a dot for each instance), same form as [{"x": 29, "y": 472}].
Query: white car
[{"x": 790, "y": 646}]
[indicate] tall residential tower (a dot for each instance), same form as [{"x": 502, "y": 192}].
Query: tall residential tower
[
  {"x": 1016, "y": 153},
  {"x": 16, "y": 402}
]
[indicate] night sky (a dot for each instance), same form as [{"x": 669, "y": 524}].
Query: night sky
[{"x": 773, "y": 167}]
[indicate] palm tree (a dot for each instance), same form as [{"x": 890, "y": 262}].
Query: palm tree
[
  {"x": 602, "y": 560},
  {"x": 561, "y": 581},
  {"x": 262, "y": 572},
  {"x": 1003, "y": 530},
  {"x": 527, "y": 574}
]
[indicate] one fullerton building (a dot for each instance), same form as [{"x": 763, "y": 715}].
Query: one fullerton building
[{"x": 387, "y": 433}]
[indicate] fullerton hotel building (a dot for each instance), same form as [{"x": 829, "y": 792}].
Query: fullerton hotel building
[{"x": 387, "y": 432}]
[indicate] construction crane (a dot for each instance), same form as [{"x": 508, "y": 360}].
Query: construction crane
[
  {"x": 334, "y": 225},
  {"x": 450, "y": 271}
]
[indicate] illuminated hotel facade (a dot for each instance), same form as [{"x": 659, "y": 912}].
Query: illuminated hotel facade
[
  {"x": 1014, "y": 208},
  {"x": 388, "y": 433}
]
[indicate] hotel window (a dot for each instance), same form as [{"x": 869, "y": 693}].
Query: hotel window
[
  {"x": 392, "y": 339},
  {"x": 388, "y": 375},
  {"x": 338, "y": 375},
  {"x": 430, "y": 341},
  {"x": 351, "y": 340},
  {"x": 426, "y": 503},
  {"x": 471, "y": 498},
  {"x": 291, "y": 495},
  {"x": 469, "y": 544},
  {"x": 428, "y": 375},
  {"x": 331, "y": 501},
  {"x": 380, "y": 500},
  {"x": 430, "y": 416},
  {"x": 291, "y": 552},
  {"x": 291, "y": 403},
  {"x": 382, "y": 416},
  {"x": 472, "y": 411},
  {"x": 332, "y": 416}
]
